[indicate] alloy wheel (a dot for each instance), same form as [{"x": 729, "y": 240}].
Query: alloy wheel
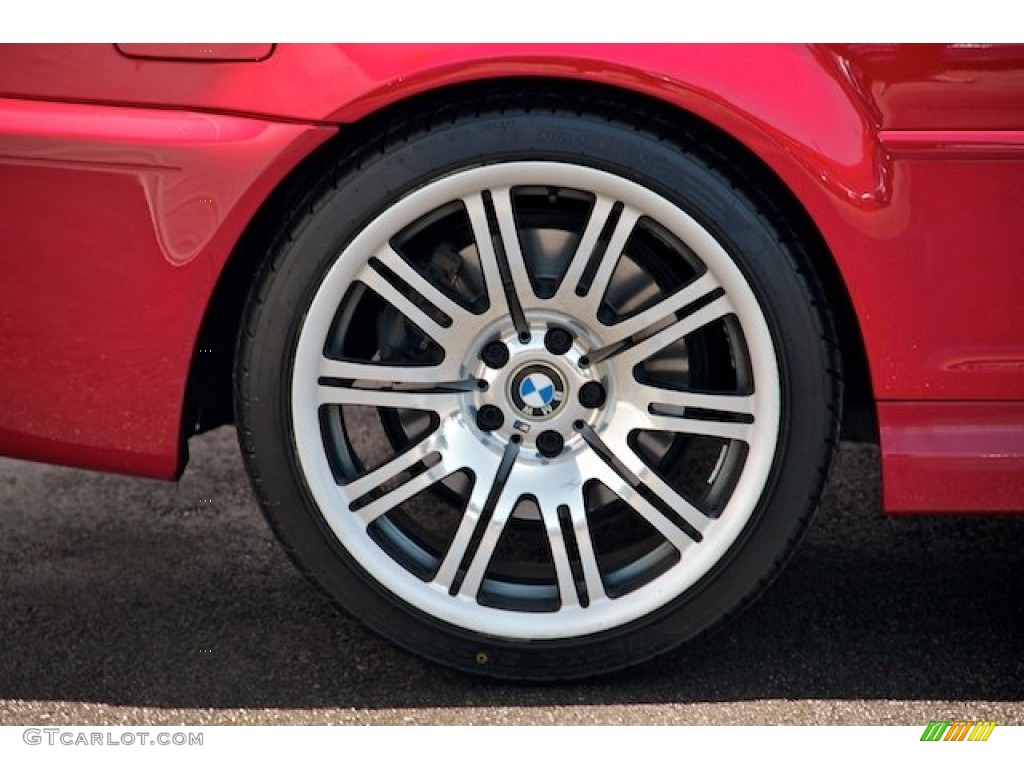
[{"x": 535, "y": 400}]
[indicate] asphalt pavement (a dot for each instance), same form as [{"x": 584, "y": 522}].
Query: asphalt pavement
[{"x": 128, "y": 601}]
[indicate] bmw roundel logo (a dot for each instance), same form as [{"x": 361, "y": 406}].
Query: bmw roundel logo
[{"x": 537, "y": 391}]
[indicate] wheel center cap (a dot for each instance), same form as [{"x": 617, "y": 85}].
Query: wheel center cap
[{"x": 537, "y": 391}]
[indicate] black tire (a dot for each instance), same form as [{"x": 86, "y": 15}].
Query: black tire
[{"x": 331, "y": 305}]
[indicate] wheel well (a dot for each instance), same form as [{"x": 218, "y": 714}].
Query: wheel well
[{"x": 209, "y": 392}]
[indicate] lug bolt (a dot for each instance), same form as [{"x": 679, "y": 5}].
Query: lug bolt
[
  {"x": 489, "y": 418},
  {"x": 494, "y": 355},
  {"x": 558, "y": 341},
  {"x": 550, "y": 443},
  {"x": 592, "y": 395}
]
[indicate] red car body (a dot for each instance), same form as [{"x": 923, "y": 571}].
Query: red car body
[{"x": 135, "y": 179}]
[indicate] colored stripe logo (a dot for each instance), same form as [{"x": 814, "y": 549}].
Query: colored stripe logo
[{"x": 958, "y": 730}]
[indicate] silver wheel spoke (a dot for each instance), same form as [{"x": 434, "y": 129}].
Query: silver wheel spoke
[
  {"x": 585, "y": 546},
  {"x": 405, "y": 305},
  {"x": 361, "y": 486},
  {"x": 491, "y": 493},
  {"x": 668, "y": 496},
  {"x": 330, "y": 368},
  {"x": 502, "y": 199},
  {"x": 661, "y": 401},
  {"x": 599, "y": 214},
  {"x": 488, "y": 542},
  {"x": 662, "y": 311},
  {"x": 629, "y": 356},
  {"x": 497, "y": 302},
  {"x": 726, "y": 430},
  {"x": 412, "y": 277},
  {"x": 628, "y": 468},
  {"x": 624, "y": 489},
  {"x": 560, "y": 556},
  {"x": 402, "y": 493},
  {"x": 388, "y": 386},
  {"x": 449, "y": 567},
  {"x": 580, "y": 529},
  {"x": 390, "y": 472},
  {"x": 591, "y": 303},
  {"x": 439, "y": 400},
  {"x": 471, "y": 516},
  {"x": 665, "y": 493},
  {"x": 737, "y": 405},
  {"x": 676, "y": 536}
]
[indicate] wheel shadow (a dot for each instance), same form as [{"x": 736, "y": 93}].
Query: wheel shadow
[{"x": 136, "y": 592}]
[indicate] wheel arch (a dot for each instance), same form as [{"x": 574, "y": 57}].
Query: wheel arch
[{"x": 209, "y": 391}]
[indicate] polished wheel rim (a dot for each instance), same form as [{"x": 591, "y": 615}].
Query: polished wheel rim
[{"x": 535, "y": 400}]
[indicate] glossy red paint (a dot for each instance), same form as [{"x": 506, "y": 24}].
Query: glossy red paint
[
  {"x": 967, "y": 87},
  {"x": 907, "y": 158},
  {"x": 951, "y": 280},
  {"x": 115, "y": 224},
  {"x": 953, "y": 145},
  {"x": 959, "y": 457}
]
